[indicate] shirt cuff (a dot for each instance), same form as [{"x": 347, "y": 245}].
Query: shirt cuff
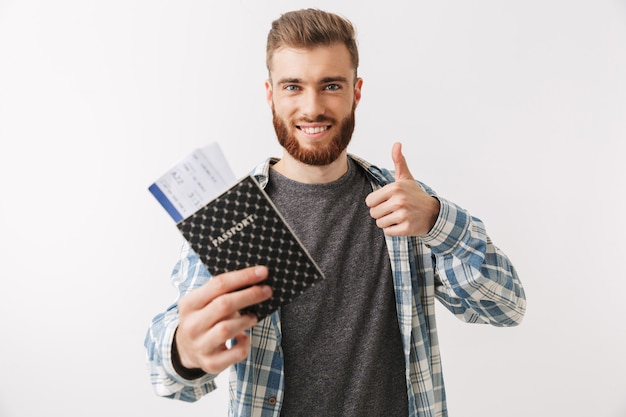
[
  {"x": 192, "y": 378},
  {"x": 451, "y": 225}
]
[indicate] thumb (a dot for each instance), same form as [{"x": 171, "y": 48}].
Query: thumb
[{"x": 401, "y": 168}]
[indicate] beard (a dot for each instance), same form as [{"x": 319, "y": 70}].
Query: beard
[{"x": 319, "y": 154}]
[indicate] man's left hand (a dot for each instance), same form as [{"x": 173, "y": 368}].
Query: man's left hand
[{"x": 403, "y": 208}]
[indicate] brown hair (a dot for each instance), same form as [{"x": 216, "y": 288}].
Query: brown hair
[{"x": 308, "y": 28}]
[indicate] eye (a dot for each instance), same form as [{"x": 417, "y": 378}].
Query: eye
[
  {"x": 291, "y": 87},
  {"x": 332, "y": 87}
]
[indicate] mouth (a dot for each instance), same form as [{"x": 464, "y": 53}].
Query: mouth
[{"x": 313, "y": 130}]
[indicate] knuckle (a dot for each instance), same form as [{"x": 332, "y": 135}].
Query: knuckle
[
  {"x": 394, "y": 187},
  {"x": 242, "y": 352},
  {"x": 210, "y": 365},
  {"x": 222, "y": 305},
  {"x": 223, "y": 331},
  {"x": 188, "y": 328},
  {"x": 219, "y": 284},
  {"x": 400, "y": 200},
  {"x": 259, "y": 293},
  {"x": 185, "y": 303}
]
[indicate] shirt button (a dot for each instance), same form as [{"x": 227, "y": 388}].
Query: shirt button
[{"x": 271, "y": 400}]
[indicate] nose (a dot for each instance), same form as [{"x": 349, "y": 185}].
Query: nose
[{"x": 312, "y": 104}]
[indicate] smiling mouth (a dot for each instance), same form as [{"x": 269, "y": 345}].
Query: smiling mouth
[{"x": 313, "y": 130}]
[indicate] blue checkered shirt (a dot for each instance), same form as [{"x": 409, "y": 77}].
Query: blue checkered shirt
[{"x": 455, "y": 262}]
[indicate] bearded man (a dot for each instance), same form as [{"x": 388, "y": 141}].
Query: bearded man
[{"x": 363, "y": 342}]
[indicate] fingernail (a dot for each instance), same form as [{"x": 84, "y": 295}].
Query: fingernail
[
  {"x": 267, "y": 290},
  {"x": 260, "y": 271}
]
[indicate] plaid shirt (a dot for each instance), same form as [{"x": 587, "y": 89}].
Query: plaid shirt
[{"x": 455, "y": 262}]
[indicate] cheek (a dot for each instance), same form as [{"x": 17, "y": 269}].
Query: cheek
[
  {"x": 341, "y": 105},
  {"x": 284, "y": 109}
]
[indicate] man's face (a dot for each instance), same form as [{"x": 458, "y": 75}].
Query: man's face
[{"x": 313, "y": 95}]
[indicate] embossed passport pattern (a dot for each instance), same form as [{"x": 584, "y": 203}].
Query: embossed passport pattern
[{"x": 242, "y": 228}]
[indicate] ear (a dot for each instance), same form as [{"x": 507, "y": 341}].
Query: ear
[
  {"x": 269, "y": 93},
  {"x": 357, "y": 91}
]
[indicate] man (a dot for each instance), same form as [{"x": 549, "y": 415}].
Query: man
[{"x": 363, "y": 342}]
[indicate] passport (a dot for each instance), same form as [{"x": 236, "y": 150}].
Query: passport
[{"x": 241, "y": 227}]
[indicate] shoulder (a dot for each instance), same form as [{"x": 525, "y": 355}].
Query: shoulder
[{"x": 262, "y": 170}]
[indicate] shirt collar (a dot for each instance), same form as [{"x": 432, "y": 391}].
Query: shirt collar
[{"x": 378, "y": 175}]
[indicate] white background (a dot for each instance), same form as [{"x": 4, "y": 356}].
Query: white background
[{"x": 514, "y": 110}]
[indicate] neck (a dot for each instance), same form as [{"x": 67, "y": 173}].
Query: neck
[{"x": 312, "y": 174}]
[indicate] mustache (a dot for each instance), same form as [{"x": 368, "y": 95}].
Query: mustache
[{"x": 320, "y": 118}]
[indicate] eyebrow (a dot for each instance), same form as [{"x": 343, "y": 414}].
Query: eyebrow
[{"x": 325, "y": 80}]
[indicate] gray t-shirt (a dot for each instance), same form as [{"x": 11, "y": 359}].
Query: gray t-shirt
[{"x": 341, "y": 341}]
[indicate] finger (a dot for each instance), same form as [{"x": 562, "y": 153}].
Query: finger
[
  {"x": 379, "y": 207},
  {"x": 388, "y": 220},
  {"x": 224, "y": 306},
  {"x": 223, "y": 284},
  {"x": 224, "y": 357},
  {"x": 380, "y": 200},
  {"x": 218, "y": 321},
  {"x": 196, "y": 342},
  {"x": 399, "y": 161},
  {"x": 226, "y": 330},
  {"x": 395, "y": 230},
  {"x": 374, "y": 199}
]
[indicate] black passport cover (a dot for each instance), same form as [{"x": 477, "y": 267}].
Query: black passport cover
[{"x": 242, "y": 228}]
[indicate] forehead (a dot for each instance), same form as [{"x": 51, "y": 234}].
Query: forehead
[{"x": 311, "y": 63}]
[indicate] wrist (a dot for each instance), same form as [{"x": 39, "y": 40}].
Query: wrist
[
  {"x": 186, "y": 373},
  {"x": 436, "y": 210}
]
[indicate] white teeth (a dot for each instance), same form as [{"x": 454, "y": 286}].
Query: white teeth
[{"x": 312, "y": 130}]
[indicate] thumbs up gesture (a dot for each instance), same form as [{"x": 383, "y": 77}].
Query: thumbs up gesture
[{"x": 403, "y": 208}]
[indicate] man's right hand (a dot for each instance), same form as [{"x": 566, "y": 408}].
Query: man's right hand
[{"x": 209, "y": 317}]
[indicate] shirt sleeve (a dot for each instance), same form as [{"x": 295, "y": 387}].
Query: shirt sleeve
[
  {"x": 475, "y": 280},
  {"x": 189, "y": 273}
]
